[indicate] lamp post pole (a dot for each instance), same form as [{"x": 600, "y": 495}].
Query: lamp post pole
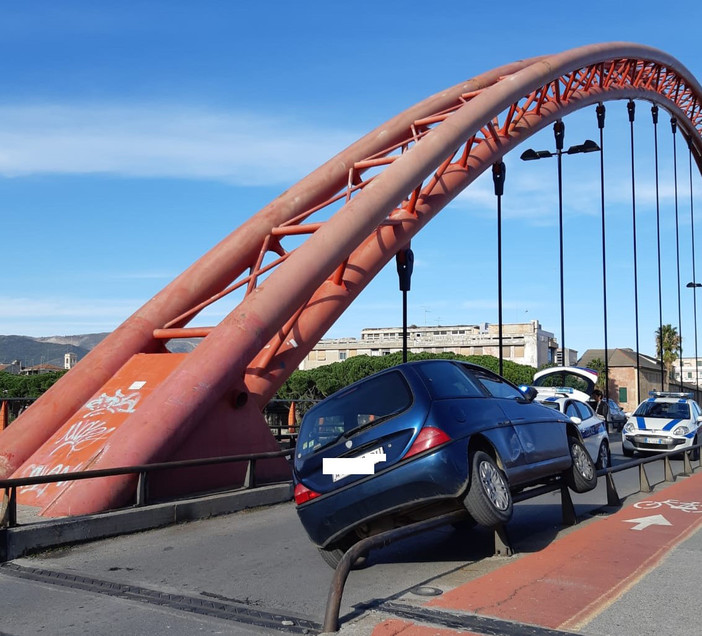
[
  {"x": 693, "y": 285},
  {"x": 405, "y": 263},
  {"x": 531, "y": 155}
]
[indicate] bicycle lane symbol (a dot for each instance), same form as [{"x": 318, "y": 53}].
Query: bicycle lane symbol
[{"x": 641, "y": 523}]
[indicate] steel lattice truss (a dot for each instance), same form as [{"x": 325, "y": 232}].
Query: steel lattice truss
[{"x": 345, "y": 221}]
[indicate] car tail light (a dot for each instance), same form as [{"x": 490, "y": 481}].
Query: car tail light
[
  {"x": 429, "y": 437},
  {"x": 303, "y": 494}
]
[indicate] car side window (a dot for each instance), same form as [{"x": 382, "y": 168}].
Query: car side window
[
  {"x": 448, "y": 381},
  {"x": 572, "y": 410},
  {"x": 585, "y": 411},
  {"x": 496, "y": 386}
]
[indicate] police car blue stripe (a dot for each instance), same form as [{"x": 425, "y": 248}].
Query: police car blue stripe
[
  {"x": 671, "y": 425},
  {"x": 641, "y": 422}
]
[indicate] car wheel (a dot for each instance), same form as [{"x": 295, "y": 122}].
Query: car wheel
[
  {"x": 695, "y": 452},
  {"x": 627, "y": 452},
  {"x": 582, "y": 475},
  {"x": 489, "y": 500},
  {"x": 604, "y": 459}
]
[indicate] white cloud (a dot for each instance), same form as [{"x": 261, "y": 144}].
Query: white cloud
[{"x": 162, "y": 141}]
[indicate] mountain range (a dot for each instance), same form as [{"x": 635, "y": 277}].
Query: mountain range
[{"x": 51, "y": 350}]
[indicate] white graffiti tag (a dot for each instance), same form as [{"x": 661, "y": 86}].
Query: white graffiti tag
[
  {"x": 82, "y": 434},
  {"x": 117, "y": 403},
  {"x": 41, "y": 470}
]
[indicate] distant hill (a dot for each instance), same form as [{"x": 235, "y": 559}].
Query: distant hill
[
  {"x": 33, "y": 351},
  {"x": 51, "y": 350}
]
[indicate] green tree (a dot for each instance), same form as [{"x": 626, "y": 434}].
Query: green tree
[
  {"x": 668, "y": 343},
  {"x": 26, "y": 386},
  {"x": 597, "y": 364},
  {"x": 321, "y": 382}
]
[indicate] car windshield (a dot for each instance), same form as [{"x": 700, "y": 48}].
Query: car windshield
[
  {"x": 666, "y": 410},
  {"x": 350, "y": 410}
]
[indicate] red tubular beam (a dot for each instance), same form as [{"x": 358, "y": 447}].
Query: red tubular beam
[
  {"x": 216, "y": 369},
  {"x": 208, "y": 276}
]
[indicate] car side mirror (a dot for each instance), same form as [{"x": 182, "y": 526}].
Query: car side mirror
[
  {"x": 699, "y": 418},
  {"x": 529, "y": 392},
  {"x": 575, "y": 420}
]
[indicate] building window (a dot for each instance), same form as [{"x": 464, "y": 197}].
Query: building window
[
  {"x": 342, "y": 355},
  {"x": 623, "y": 395}
]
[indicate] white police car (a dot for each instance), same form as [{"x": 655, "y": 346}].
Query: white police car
[
  {"x": 665, "y": 421},
  {"x": 592, "y": 427}
]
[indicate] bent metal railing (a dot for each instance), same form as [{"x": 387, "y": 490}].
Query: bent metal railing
[
  {"x": 8, "y": 516},
  {"x": 502, "y": 545}
]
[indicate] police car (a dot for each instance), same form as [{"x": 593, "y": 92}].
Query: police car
[
  {"x": 592, "y": 427},
  {"x": 665, "y": 421}
]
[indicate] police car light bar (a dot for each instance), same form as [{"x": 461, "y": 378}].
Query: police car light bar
[{"x": 670, "y": 394}]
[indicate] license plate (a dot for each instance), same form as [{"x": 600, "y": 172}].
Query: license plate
[
  {"x": 378, "y": 453},
  {"x": 654, "y": 440}
]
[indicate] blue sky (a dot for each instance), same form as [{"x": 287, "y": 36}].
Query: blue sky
[{"x": 135, "y": 135}]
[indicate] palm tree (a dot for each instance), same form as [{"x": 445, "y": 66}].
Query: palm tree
[{"x": 667, "y": 350}]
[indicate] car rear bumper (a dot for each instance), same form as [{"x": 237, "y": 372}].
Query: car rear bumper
[{"x": 425, "y": 479}]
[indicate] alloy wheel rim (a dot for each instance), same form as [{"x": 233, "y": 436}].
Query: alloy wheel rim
[
  {"x": 494, "y": 486},
  {"x": 581, "y": 462},
  {"x": 604, "y": 457}
]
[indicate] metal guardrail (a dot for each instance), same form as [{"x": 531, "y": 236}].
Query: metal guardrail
[
  {"x": 8, "y": 516},
  {"x": 502, "y": 544}
]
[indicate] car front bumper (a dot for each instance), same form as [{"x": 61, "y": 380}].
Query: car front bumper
[{"x": 655, "y": 442}]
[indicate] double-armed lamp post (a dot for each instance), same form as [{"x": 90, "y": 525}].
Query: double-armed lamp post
[{"x": 531, "y": 155}]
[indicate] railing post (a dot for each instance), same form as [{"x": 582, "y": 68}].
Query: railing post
[
  {"x": 668, "y": 469},
  {"x": 141, "y": 489},
  {"x": 687, "y": 466},
  {"x": 567, "y": 508},
  {"x": 612, "y": 494},
  {"x": 250, "y": 479},
  {"x": 503, "y": 546},
  {"x": 644, "y": 485}
]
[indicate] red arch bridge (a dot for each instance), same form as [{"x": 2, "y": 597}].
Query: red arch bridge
[{"x": 131, "y": 401}]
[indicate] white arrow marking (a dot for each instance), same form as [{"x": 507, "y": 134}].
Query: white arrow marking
[{"x": 645, "y": 522}]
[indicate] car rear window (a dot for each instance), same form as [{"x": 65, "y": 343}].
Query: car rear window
[
  {"x": 349, "y": 410},
  {"x": 448, "y": 381}
]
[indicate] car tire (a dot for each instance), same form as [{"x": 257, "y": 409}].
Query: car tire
[
  {"x": 627, "y": 452},
  {"x": 695, "y": 452},
  {"x": 604, "y": 457},
  {"x": 489, "y": 500},
  {"x": 582, "y": 474}
]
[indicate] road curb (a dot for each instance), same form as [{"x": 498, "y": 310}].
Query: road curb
[{"x": 25, "y": 539}]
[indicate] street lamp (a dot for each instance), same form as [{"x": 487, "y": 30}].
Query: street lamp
[
  {"x": 693, "y": 285},
  {"x": 531, "y": 155}
]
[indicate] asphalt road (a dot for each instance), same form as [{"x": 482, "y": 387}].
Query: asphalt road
[{"x": 256, "y": 572}]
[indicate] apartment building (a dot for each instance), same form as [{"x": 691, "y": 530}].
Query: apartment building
[{"x": 524, "y": 343}]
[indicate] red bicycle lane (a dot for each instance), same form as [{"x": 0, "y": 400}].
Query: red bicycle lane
[{"x": 574, "y": 578}]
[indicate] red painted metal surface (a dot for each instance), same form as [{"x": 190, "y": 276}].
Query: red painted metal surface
[{"x": 377, "y": 195}]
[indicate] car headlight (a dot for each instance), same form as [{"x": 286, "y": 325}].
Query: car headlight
[
  {"x": 629, "y": 427},
  {"x": 681, "y": 430}
]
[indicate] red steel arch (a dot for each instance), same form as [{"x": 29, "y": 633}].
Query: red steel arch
[{"x": 372, "y": 199}]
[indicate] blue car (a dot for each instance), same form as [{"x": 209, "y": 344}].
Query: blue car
[{"x": 421, "y": 439}]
